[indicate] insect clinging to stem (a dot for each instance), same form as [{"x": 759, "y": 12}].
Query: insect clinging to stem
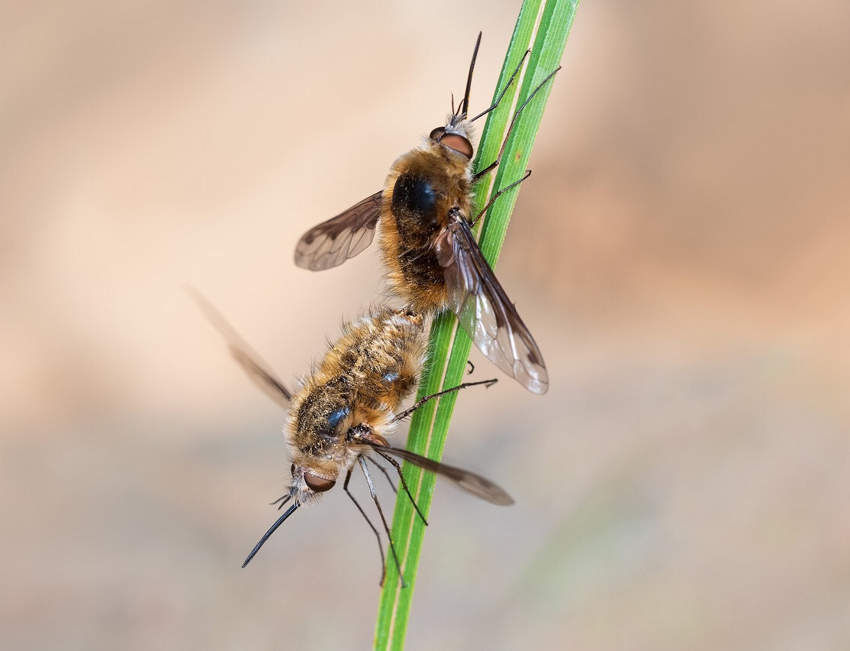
[
  {"x": 433, "y": 262},
  {"x": 345, "y": 409}
]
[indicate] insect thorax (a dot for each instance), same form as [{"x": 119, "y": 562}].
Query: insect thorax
[{"x": 424, "y": 189}]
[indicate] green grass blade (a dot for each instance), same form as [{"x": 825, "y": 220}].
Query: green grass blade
[{"x": 548, "y": 23}]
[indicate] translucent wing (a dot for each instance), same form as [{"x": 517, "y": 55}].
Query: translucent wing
[
  {"x": 465, "y": 479},
  {"x": 485, "y": 311},
  {"x": 258, "y": 371},
  {"x": 260, "y": 375},
  {"x": 333, "y": 242}
]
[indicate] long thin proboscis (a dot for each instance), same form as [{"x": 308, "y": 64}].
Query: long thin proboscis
[
  {"x": 463, "y": 109},
  {"x": 271, "y": 530}
]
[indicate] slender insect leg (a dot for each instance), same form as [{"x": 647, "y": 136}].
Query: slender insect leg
[
  {"x": 498, "y": 100},
  {"x": 365, "y": 470},
  {"x": 496, "y": 162},
  {"x": 401, "y": 416},
  {"x": 397, "y": 466},
  {"x": 499, "y": 194},
  {"x": 383, "y": 470},
  {"x": 369, "y": 522}
]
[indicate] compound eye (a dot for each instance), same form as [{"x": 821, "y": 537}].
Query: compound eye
[
  {"x": 457, "y": 143},
  {"x": 318, "y": 484},
  {"x": 437, "y": 133}
]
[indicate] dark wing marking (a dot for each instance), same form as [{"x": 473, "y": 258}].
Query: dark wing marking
[
  {"x": 258, "y": 371},
  {"x": 485, "y": 311},
  {"x": 333, "y": 242},
  {"x": 465, "y": 479}
]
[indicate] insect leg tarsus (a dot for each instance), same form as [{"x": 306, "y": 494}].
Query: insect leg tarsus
[
  {"x": 498, "y": 99},
  {"x": 511, "y": 126},
  {"x": 404, "y": 414},
  {"x": 369, "y": 522},
  {"x": 365, "y": 470},
  {"x": 385, "y": 471},
  {"x": 404, "y": 484},
  {"x": 499, "y": 194}
]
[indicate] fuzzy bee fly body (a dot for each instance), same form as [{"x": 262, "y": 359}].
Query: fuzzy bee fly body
[
  {"x": 431, "y": 255},
  {"x": 348, "y": 405}
]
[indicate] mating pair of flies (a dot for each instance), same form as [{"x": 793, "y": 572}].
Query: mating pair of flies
[{"x": 347, "y": 404}]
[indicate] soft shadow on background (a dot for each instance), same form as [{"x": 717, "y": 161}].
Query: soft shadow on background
[{"x": 680, "y": 254}]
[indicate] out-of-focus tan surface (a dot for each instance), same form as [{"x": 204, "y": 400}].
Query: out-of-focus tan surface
[{"x": 680, "y": 254}]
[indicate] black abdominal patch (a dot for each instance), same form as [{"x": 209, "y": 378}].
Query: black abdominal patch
[{"x": 414, "y": 196}]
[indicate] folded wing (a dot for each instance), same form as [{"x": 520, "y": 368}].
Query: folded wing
[
  {"x": 485, "y": 311},
  {"x": 468, "y": 481}
]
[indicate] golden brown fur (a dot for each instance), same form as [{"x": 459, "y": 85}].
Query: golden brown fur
[
  {"x": 407, "y": 240},
  {"x": 428, "y": 246},
  {"x": 362, "y": 380}
]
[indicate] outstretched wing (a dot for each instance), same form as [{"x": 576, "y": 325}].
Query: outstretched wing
[
  {"x": 485, "y": 311},
  {"x": 465, "y": 479},
  {"x": 333, "y": 242},
  {"x": 261, "y": 376},
  {"x": 258, "y": 371}
]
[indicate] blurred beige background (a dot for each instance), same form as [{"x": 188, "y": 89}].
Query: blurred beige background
[{"x": 680, "y": 254}]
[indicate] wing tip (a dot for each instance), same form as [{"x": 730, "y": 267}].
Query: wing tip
[{"x": 538, "y": 388}]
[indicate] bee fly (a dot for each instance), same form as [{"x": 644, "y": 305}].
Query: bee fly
[
  {"x": 345, "y": 409},
  {"x": 432, "y": 258}
]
